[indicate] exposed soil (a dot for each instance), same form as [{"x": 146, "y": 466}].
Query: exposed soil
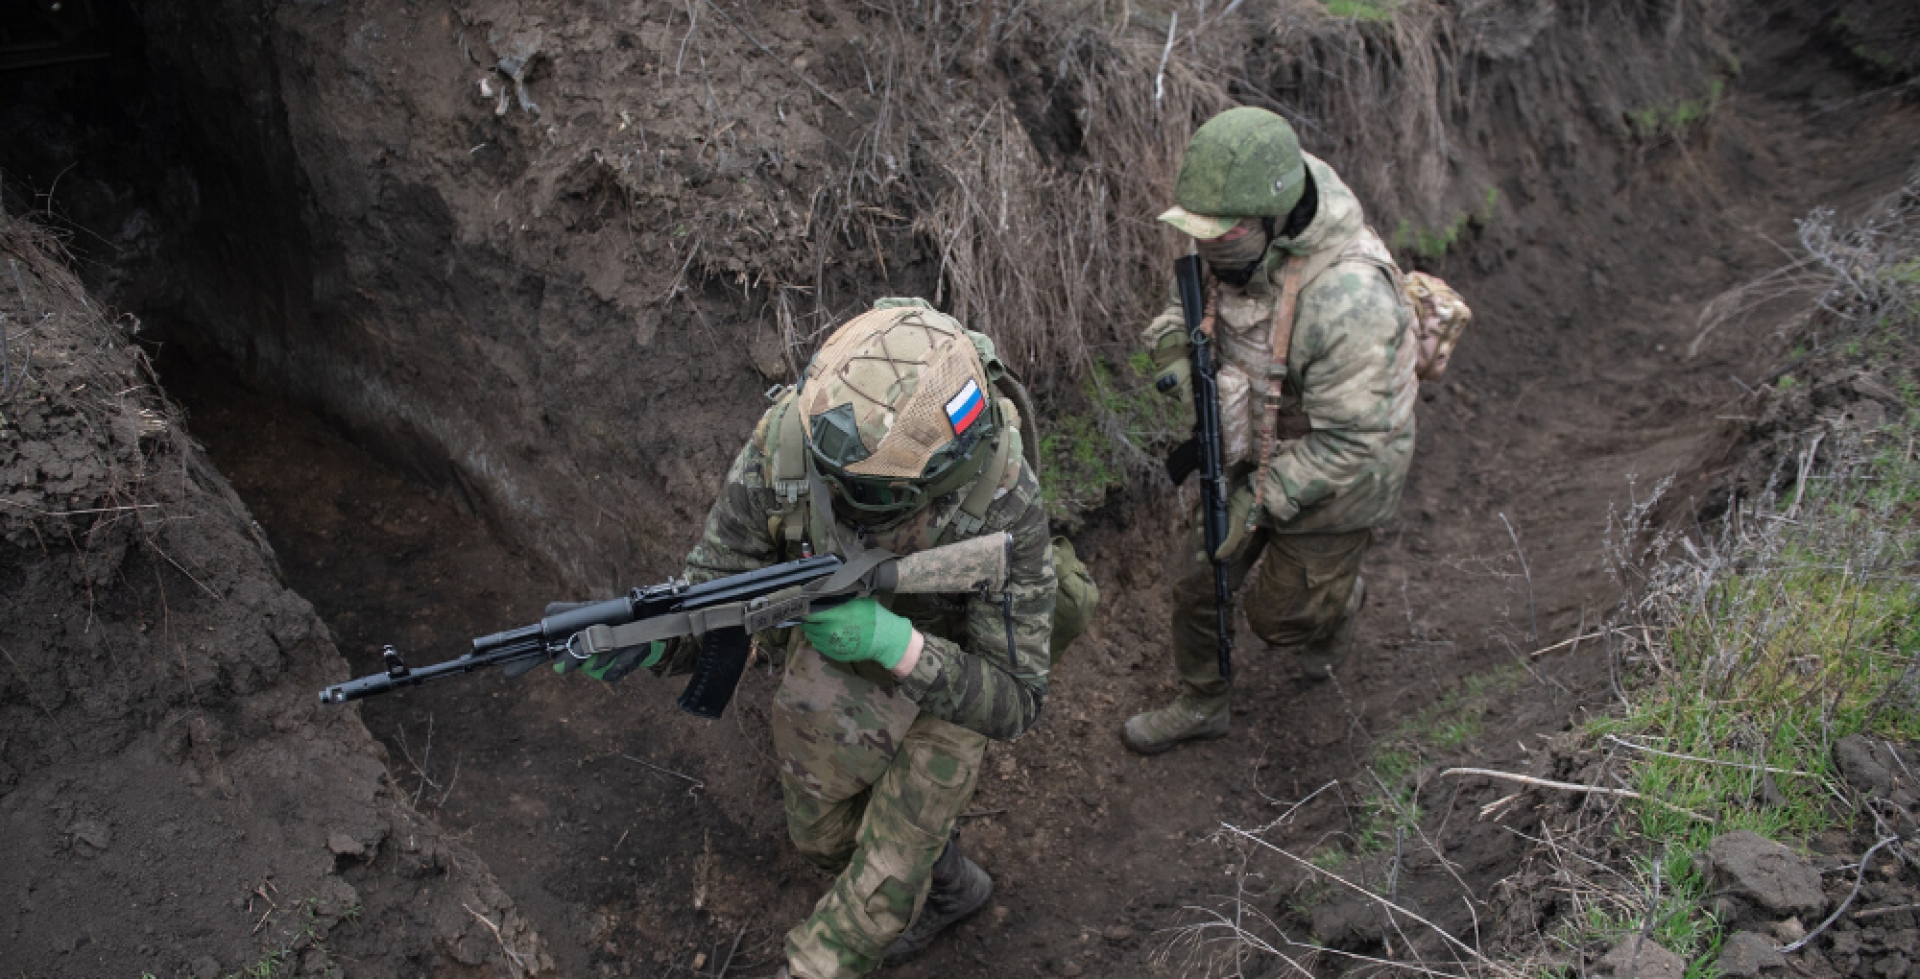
[
  {"x": 509, "y": 416},
  {"x": 176, "y": 802},
  {"x": 626, "y": 869}
]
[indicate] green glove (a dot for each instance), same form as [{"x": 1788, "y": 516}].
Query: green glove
[
  {"x": 859, "y": 630},
  {"x": 612, "y": 666}
]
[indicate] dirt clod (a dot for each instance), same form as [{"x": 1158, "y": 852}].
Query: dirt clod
[
  {"x": 1757, "y": 877},
  {"x": 1872, "y": 767},
  {"x": 1747, "y": 955},
  {"x": 1638, "y": 959}
]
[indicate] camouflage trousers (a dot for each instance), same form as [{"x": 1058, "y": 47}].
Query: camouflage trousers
[
  {"x": 1298, "y": 598},
  {"x": 873, "y": 791}
]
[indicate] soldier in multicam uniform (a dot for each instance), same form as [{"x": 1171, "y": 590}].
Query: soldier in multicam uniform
[
  {"x": 1317, "y": 388},
  {"x": 885, "y": 712}
]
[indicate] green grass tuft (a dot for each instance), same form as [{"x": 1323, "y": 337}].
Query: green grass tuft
[
  {"x": 1777, "y": 641},
  {"x": 1089, "y": 453},
  {"x": 1433, "y": 244},
  {"x": 1371, "y": 11},
  {"x": 1678, "y": 119}
]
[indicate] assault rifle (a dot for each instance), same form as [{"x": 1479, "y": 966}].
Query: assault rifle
[
  {"x": 723, "y": 613},
  {"x": 1203, "y": 451}
]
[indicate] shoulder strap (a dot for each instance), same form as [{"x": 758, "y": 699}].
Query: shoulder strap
[
  {"x": 798, "y": 520},
  {"x": 1279, "y": 342},
  {"x": 972, "y": 514},
  {"x": 789, "y": 451},
  {"x": 1008, "y": 384}
]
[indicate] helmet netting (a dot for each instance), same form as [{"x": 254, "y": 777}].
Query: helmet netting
[{"x": 898, "y": 368}]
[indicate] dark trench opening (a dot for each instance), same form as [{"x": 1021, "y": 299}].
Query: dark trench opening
[{"x": 180, "y": 204}]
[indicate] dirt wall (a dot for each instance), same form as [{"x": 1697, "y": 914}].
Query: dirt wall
[
  {"x": 550, "y": 254},
  {"x": 176, "y": 801}
]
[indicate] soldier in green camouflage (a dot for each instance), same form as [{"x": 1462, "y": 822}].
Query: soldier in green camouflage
[
  {"x": 894, "y": 439},
  {"x": 1318, "y": 459}
]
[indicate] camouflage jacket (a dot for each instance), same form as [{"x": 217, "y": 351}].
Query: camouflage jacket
[
  {"x": 1350, "y": 373},
  {"x": 965, "y": 675}
]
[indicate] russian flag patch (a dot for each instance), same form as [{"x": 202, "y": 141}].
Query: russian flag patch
[{"x": 964, "y": 409}]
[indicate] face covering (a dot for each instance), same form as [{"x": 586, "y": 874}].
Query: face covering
[{"x": 1236, "y": 255}]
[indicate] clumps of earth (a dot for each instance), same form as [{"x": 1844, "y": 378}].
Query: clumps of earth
[
  {"x": 163, "y": 749},
  {"x": 1849, "y": 908}
]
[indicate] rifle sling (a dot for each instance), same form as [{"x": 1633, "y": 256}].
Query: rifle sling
[{"x": 1279, "y": 345}]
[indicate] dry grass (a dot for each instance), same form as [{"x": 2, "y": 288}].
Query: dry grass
[
  {"x": 73, "y": 373},
  {"x": 1741, "y": 654},
  {"x": 1011, "y": 157}
]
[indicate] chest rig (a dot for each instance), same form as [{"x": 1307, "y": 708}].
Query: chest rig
[{"x": 1281, "y": 417}]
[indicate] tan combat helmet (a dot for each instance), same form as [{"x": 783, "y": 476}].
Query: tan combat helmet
[{"x": 896, "y": 403}]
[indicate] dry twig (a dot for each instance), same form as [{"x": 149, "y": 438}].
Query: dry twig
[
  {"x": 1859, "y": 878},
  {"x": 1572, "y": 787},
  {"x": 1389, "y": 906},
  {"x": 520, "y": 965},
  {"x": 782, "y": 62},
  {"x": 697, "y": 784}
]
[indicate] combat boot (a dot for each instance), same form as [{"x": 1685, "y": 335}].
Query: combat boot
[
  {"x": 1189, "y": 718},
  {"x": 1318, "y": 659},
  {"x": 959, "y": 889}
]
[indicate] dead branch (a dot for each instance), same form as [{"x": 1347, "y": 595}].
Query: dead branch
[
  {"x": 1533, "y": 620},
  {"x": 697, "y": 784},
  {"x": 1708, "y": 761},
  {"x": 1564, "y": 643},
  {"x": 1859, "y": 878},
  {"x": 1391, "y": 907},
  {"x": 1571, "y": 787},
  {"x": 728, "y": 961}
]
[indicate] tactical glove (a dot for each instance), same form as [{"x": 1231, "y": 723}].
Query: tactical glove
[
  {"x": 1173, "y": 374},
  {"x": 859, "y": 630},
  {"x": 1279, "y": 507},
  {"x": 1175, "y": 380},
  {"x": 1240, "y": 520},
  {"x": 615, "y": 665}
]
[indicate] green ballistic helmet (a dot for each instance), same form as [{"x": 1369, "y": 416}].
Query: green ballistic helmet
[
  {"x": 1242, "y": 163},
  {"x": 896, "y": 402}
]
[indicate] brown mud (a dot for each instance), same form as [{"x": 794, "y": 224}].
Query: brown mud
[
  {"x": 522, "y": 395},
  {"x": 175, "y": 800}
]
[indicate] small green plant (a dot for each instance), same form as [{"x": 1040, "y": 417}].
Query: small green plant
[
  {"x": 1372, "y": 11},
  {"x": 1086, "y": 454},
  {"x": 1388, "y": 806},
  {"x": 1678, "y": 119},
  {"x": 1434, "y": 243}
]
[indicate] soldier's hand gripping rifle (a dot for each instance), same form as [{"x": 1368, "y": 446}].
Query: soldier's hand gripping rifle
[
  {"x": 1203, "y": 451},
  {"x": 724, "y": 613}
]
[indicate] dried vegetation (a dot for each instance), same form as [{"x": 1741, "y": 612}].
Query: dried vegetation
[{"x": 1742, "y": 653}]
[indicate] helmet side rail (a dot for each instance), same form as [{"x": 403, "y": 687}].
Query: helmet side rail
[{"x": 722, "y": 613}]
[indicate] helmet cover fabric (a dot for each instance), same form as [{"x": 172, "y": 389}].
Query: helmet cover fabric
[
  {"x": 1200, "y": 226},
  {"x": 1244, "y": 162},
  {"x": 910, "y": 381}
]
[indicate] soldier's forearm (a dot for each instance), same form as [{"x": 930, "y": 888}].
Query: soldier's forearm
[
  {"x": 966, "y": 690},
  {"x": 910, "y": 658}
]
